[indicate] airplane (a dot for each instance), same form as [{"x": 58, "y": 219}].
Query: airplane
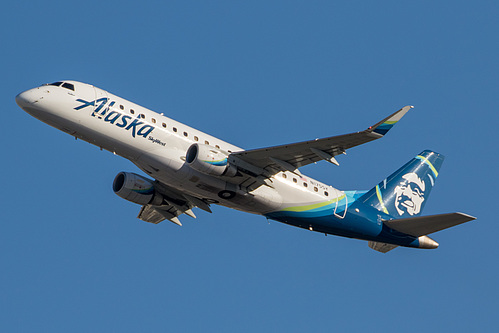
[{"x": 189, "y": 168}]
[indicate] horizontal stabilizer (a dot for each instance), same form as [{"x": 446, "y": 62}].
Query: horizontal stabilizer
[
  {"x": 424, "y": 225},
  {"x": 381, "y": 247}
]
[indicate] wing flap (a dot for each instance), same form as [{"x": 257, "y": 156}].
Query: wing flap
[
  {"x": 424, "y": 225},
  {"x": 149, "y": 214}
]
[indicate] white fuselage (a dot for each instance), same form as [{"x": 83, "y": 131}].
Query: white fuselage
[
  {"x": 158, "y": 146},
  {"x": 193, "y": 169}
]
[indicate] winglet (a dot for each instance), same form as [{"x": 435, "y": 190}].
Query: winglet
[{"x": 386, "y": 124}]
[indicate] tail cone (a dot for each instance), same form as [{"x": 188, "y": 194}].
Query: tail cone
[{"x": 426, "y": 242}]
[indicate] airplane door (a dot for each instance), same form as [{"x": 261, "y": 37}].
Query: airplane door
[{"x": 337, "y": 213}]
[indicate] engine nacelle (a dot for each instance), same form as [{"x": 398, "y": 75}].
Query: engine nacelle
[
  {"x": 136, "y": 189},
  {"x": 209, "y": 160}
]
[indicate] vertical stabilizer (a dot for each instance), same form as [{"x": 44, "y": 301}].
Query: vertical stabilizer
[{"x": 405, "y": 192}]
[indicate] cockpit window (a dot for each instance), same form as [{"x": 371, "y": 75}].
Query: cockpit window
[{"x": 68, "y": 86}]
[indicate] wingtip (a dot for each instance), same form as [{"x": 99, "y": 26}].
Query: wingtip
[
  {"x": 400, "y": 113},
  {"x": 467, "y": 216},
  {"x": 386, "y": 124}
]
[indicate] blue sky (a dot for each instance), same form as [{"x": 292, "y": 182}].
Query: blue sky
[{"x": 257, "y": 73}]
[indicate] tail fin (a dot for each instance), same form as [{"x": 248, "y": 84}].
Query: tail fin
[{"x": 405, "y": 192}]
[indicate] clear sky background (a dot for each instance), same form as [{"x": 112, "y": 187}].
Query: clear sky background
[{"x": 74, "y": 257}]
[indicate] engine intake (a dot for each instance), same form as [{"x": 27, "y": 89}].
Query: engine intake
[
  {"x": 136, "y": 189},
  {"x": 209, "y": 160}
]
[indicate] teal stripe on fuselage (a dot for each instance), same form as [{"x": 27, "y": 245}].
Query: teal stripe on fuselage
[
  {"x": 145, "y": 191},
  {"x": 361, "y": 221},
  {"x": 321, "y": 211}
]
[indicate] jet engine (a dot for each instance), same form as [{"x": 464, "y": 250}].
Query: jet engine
[
  {"x": 136, "y": 189},
  {"x": 209, "y": 160}
]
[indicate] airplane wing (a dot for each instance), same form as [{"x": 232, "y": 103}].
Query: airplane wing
[
  {"x": 154, "y": 214},
  {"x": 175, "y": 204},
  {"x": 292, "y": 156}
]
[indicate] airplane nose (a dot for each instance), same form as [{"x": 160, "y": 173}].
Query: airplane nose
[{"x": 26, "y": 98}]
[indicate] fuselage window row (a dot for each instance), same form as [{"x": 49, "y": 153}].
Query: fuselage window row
[{"x": 153, "y": 120}]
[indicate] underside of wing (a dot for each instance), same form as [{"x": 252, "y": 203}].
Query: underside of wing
[
  {"x": 152, "y": 214},
  {"x": 292, "y": 156},
  {"x": 175, "y": 203}
]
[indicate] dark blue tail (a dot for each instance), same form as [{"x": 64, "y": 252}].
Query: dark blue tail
[{"x": 405, "y": 192}]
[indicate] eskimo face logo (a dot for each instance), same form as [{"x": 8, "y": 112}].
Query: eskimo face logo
[{"x": 409, "y": 194}]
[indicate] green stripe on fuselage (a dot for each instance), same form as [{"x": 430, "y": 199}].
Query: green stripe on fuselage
[{"x": 313, "y": 206}]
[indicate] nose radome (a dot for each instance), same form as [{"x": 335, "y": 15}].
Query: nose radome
[
  {"x": 21, "y": 99},
  {"x": 26, "y": 98}
]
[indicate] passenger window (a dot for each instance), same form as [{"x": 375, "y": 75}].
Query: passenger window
[
  {"x": 316, "y": 189},
  {"x": 196, "y": 138},
  {"x": 175, "y": 129},
  {"x": 305, "y": 185},
  {"x": 142, "y": 116},
  {"x": 153, "y": 121},
  {"x": 122, "y": 107},
  {"x": 68, "y": 86},
  {"x": 185, "y": 134},
  {"x": 132, "y": 111},
  {"x": 217, "y": 146},
  {"x": 326, "y": 194},
  {"x": 164, "y": 125},
  {"x": 206, "y": 142},
  {"x": 294, "y": 180}
]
